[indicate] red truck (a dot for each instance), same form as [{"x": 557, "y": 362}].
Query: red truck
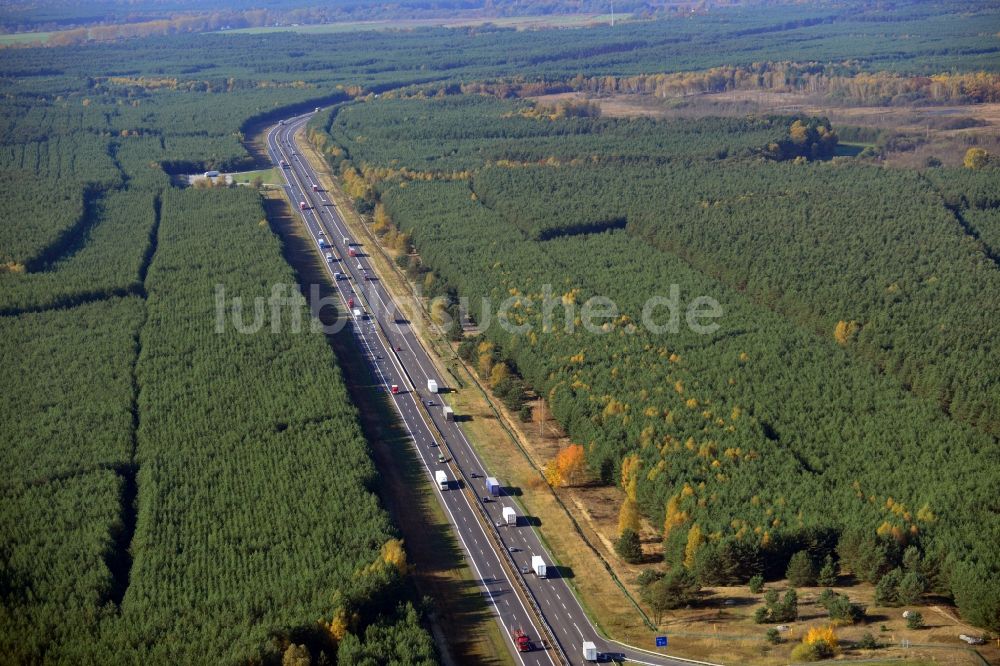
[
  {"x": 303, "y": 205},
  {"x": 315, "y": 188},
  {"x": 522, "y": 641},
  {"x": 351, "y": 252},
  {"x": 350, "y": 302}
]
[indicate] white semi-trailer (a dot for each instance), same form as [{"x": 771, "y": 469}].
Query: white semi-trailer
[
  {"x": 509, "y": 516},
  {"x": 589, "y": 651},
  {"x": 538, "y": 565},
  {"x": 442, "y": 479}
]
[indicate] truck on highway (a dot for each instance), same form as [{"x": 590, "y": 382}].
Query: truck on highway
[
  {"x": 211, "y": 174},
  {"x": 351, "y": 252},
  {"x": 329, "y": 258},
  {"x": 432, "y": 386},
  {"x": 521, "y": 640},
  {"x": 589, "y": 651},
  {"x": 303, "y": 205},
  {"x": 322, "y": 242},
  {"x": 347, "y": 241},
  {"x": 448, "y": 413},
  {"x": 538, "y": 565},
  {"x": 492, "y": 486},
  {"x": 509, "y": 516},
  {"x": 284, "y": 164},
  {"x": 442, "y": 479},
  {"x": 358, "y": 313}
]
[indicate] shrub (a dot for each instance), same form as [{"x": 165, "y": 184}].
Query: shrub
[
  {"x": 774, "y": 610},
  {"x": 773, "y": 636},
  {"x": 648, "y": 577},
  {"x": 915, "y": 620},
  {"x": 843, "y": 611},
  {"x": 756, "y": 584},
  {"x": 822, "y": 642},
  {"x": 805, "y": 652},
  {"x": 868, "y": 642},
  {"x": 525, "y": 414}
]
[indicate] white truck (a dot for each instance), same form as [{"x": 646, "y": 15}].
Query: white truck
[
  {"x": 538, "y": 565},
  {"x": 509, "y": 516},
  {"x": 448, "y": 412},
  {"x": 329, "y": 258},
  {"x": 589, "y": 651},
  {"x": 322, "y": 242},
  {"x": 442, "y": 479},
  {"x": 358, "y": 313},
  {"x": 432, "y": 385},
  {"x": 492, "y": 486}
]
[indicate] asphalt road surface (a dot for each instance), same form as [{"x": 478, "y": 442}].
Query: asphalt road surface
[{"x": 497, "y": 553}]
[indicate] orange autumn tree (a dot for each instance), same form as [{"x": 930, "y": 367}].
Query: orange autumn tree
[{"x": 567, "y": 468}]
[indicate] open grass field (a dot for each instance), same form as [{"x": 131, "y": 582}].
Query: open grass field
[{"x": 20, "y": 38}]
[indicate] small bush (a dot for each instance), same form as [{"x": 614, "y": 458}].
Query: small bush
[
  {"x": 915, "y": 620},
  {"x": 760, "y": 616},
  {"x": 805, "y": 652},
  {"x": 818, "y": 643},
  {"x": 648, "y": 577},
  {"x": 773, "y": 636},
  {"x": 756, "y": 584},
  {"x": 868, "y": 642},
  {"x": 840, "y": 608}
]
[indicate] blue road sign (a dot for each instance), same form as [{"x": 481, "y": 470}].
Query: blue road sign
[{"x": 661, "y": 641}]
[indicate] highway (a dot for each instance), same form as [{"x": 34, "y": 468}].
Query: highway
[{"x": 499, "y": 555}]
